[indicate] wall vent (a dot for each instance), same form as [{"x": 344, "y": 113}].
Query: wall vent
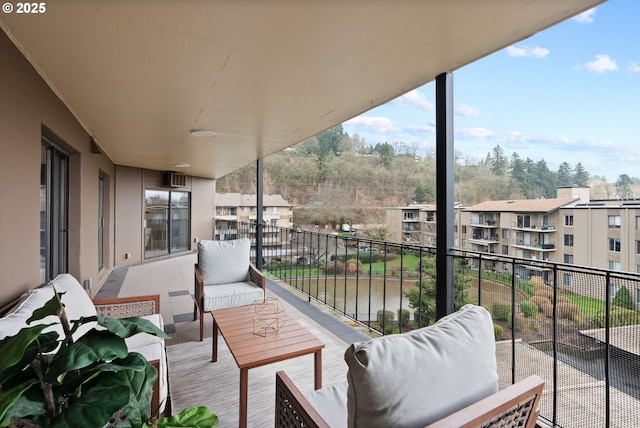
[{"x": 174, "y": 179}]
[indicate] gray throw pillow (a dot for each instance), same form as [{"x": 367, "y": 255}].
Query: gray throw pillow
[{"x": 416, "y": 378}]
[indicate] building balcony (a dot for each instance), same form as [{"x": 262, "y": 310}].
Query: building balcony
[
  {"x": 533, "y": 227},
  {"x": 536, "y": 247}
]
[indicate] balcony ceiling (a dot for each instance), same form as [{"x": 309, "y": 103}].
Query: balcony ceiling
[{"x": 263, "y": 75}]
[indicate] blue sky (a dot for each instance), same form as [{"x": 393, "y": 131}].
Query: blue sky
[{"x": 570, "y": 93}]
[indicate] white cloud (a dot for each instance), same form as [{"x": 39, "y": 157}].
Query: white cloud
[
  {"x": 633, "y": 68},
  {"x": 478, "y": 133},
  {"x": 527, "y": 51},
  {"x": 601, "y": 64},
  {"x": 586, "y": 17},
  {"x": 413, "y": 99},
  {"x": 382, "y": 125},
  {"x": 421, "y": 129},
  {"x": 466, "y": 110}
]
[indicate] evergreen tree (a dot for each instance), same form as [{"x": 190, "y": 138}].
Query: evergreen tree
[
  {"x": 424, "y": 193},
  {"x": 500, "y": 163},
  {"x": 565, "y": 175},
  {"x": 580, "y": 176},
  {"x": 424, "y": 300},
  {"x": 623, "y": 186}
]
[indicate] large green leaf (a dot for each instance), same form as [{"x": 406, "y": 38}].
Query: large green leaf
[
  {"x": 12, "y": 405},
  {"x": 139, "y": 382},
  {"x": 94, "y": 407},
  {"x": 127, "y": 327},
  {"x": 92, "y": 347},
  {"x": 75, "y": 379},
  {"x": 50, "y": 308},
  {"x": 196, "y": 416},
  {"x": 13, "y": 348}
]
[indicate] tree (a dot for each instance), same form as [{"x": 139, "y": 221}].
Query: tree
[
  {"x": 623, "y": 298},
  {"x": 580, "y": 176},
  {"x": 379, "y": 233},
  {"x": 500, "y": 163},
  {"x": 386, "y": 153},
  {"x": 424, "y": 299},
  {"x": 623, "y": 186},
  {"x": 565, "y": 175},
  {"x": 424, "y": 193}
]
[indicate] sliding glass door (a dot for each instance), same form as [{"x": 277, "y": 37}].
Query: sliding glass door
[
  {"x": 54, "y": 191},
  {"x": 166, "y": 222}
]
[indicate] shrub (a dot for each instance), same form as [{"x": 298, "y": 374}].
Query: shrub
[
  {"x": 539, "y": 301},
  {"x": 384, "y": 318},
  {"x": 623, "y": 298},
  {"x": 529, "y": 309},
  {"x": 403, "y": 317},
  {"x": 390, "y": 329},
  {"x": 498, "y": 332},
  {"x": 334, "y": 267},
  {"x": 568, "y": 311},
  {"x": 543, "y": 290},
  {"x": 501, "y": 311},
  {"x": 536, "y": 280},
  {"x": 619, "y": 317},
  {"x": 547, "y": 309},
  {"x": 520, "y": 322}
]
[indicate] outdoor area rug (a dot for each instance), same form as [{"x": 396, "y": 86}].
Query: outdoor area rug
[{"x": 195, "y": 380}]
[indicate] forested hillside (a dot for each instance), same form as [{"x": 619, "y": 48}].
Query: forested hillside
[{"x": 334, "y": 177}]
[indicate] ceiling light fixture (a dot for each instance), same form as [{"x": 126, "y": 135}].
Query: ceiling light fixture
[
  {"x": 182, "y": 165},
  {"x": 203, "y": 133}
]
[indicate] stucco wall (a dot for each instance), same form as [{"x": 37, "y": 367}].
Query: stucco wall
[{"x": 29, "y": 109}]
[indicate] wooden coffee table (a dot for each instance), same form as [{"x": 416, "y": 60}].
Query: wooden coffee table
[{"x": 252, "y": 350}]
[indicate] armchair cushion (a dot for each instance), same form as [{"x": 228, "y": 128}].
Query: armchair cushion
[
  {"x": 419, "y": 377},
  {"x": 331, "y": 403},
  {"x": 223, "y": 262},
  {"x": 231, "y": 295}
]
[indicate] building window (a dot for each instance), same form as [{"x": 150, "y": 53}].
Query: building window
[
  {"x": 637, "y": 295},
  {"x": 505, "y": 233},
  {"x": 568, "y": 240},
  {"x": 614, "y": 222},
  {"x": 637, "y": 247},
  {"x": 568, "y": 220},
  {"x": 464, "y": 229},
  {"x": 638, "y": 222},
  {"x": 614, "y": 244},
  {"x": 568, "y": 259},
  {"x": 505, "y": 250},
  {"x": 54, "y": 195},
  {"x": 614, "y": 265},
  {"x": 567, "y": 280},
  {"x": 455, "y": 228},
  {"x": 464, "y": 243}
]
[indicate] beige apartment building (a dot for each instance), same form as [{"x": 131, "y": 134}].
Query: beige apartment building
[
  {"x": 569, "y": 229},
  {"x": 235, "y": 212}
]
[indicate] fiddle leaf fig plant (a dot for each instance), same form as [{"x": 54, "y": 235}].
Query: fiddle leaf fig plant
[{"x": 54, "y": 380}]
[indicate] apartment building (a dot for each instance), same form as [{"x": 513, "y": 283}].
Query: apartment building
[
  {"x": 570, "y": 229},
  {"x": 234, "y": 209}
]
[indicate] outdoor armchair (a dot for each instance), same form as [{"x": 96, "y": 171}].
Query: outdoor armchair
[{"x": 225, "y": 277}]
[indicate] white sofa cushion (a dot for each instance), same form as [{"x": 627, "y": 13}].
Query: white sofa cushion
[
  {"x": 223, "y": 262},
  {"x": 231, "y": 295},
  {"x": 76, "y": 302},
  {"x": 152, "y": 348},
  {"x": 416, "y": 378}
]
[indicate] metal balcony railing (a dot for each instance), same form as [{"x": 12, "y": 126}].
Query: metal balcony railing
[{"x": 577, "y": 327}]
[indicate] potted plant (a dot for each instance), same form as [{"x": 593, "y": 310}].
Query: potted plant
[{"x": 52, "y": 380}]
